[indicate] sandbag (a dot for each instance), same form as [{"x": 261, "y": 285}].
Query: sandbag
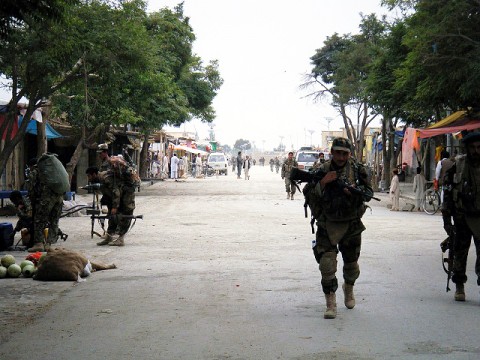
[{"x": 52, "y": 173}]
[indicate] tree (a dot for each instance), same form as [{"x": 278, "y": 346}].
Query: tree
[
  {"x": 17, "y": 13},
  {"x": 242, "y": 144},
  {"x": 96, "y": 75},
  {"x": 384, "y": 97},
  {"x": 340, "y": 69},
  {"x": 443, "y": 43}
]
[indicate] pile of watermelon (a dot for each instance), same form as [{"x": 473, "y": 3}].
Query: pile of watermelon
[{"x": 10, "y": 268}]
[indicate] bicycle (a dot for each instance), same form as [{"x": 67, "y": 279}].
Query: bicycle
[{"x": 432, "y": 200}]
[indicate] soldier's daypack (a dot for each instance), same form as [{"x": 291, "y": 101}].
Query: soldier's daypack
[
  {"x": 52, "y": 173},
  {"x": 123, "y": 169}
]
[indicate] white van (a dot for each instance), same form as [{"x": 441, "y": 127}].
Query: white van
[{"x": 218, "y": 162}]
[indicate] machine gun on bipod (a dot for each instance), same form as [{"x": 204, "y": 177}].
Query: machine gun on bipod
[{"x": 99, "y": 214}]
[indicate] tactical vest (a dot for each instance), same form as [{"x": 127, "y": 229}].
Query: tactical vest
[{"x": 335, "y": 204}]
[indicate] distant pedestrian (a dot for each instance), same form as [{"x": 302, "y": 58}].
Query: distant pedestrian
[
  {"x": 395, "y": 191},
  {"x": 164, "y": 167},
  {"x": 239, "y": 164},
  {"x": 198, "y": 163},
  {"x": 419, "y": 189},
  {"x": 246, "y": 167},
  {"x": 194, "y": 166},
  {"x": 174, "y": 167}
]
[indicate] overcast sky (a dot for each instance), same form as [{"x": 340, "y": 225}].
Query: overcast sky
[{"x": 264, "y": 49}]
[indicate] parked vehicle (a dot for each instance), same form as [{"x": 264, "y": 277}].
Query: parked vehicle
[
  {"x": 218, "y": 162},
  {"x": 305, "y": 159}
]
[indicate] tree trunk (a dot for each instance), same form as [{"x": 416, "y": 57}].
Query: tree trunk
[
  {"x": 76, "y": 155},
  {"x": 143, "y": 168},
  {"x": 41, "y": 138},
  {"x": 386, "y": 157}
]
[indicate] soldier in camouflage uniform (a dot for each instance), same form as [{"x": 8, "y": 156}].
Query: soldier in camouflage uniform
[
  {"x": 47, "y": 210},
  {"x": 339, "y": 224},
  {"x": 110, "y": 189},
  {"x": 463, "y": 203},
  {"x": 104, "y": 157},
  {"x": 126, "y": 207},
  {"x": 287, "y": 167},
  {"x": 25, "y": 217}
]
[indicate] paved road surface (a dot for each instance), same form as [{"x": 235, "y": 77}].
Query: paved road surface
[{"x": 222, "y": 268}]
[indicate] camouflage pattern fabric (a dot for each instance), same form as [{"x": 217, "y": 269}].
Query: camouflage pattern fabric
[
  {"x": 48, "y": 209},
  {"x": 127, "y": 206},
  {"x": 287, "y": 167},
  {"x": 339, "y": 228},
  {"x": 25, "y": 217}
]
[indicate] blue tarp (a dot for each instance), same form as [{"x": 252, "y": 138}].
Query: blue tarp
[
  {"x": 32, "y": 129},
  {"x": 398, "y": 135}
]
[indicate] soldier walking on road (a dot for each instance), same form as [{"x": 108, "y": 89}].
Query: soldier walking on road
[
  {"x": 339, "y": 223},
  {"x": 465, "y": 209},
  {"x": 287, "y": 167}
]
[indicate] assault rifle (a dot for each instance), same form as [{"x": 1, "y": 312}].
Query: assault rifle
[
  {"x": 299, "y": 176},
  {"x": 448, "y": 244}
]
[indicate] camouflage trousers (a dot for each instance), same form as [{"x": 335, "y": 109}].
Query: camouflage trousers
[
  {"x": 127, "y": 206},
  {"x": 289, "y": 186},
  {"x": 462, "y": 244},
  {"x": 326, "y": 251},
  {"x": 48, "y": 209}
]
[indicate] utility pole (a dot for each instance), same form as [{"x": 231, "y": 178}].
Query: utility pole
[{"x": 311, "y": 133}]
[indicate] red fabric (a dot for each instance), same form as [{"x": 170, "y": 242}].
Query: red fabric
[
  {"x": 464, "y": 124},
  {"x": 35, "y": 257},
  {"x": 14, "y": 129}
]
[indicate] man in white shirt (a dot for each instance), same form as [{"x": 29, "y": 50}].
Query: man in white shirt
[
  {"x": 174, "y": 167},
  {"x": 199, "y": 165}
]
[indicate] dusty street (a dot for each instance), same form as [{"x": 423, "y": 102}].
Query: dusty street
[{"x": 222, "y": 268}]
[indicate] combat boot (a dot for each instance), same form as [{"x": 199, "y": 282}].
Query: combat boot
[
  {"x": 288, "y": 196},
  {"x": 118, "y": 242},
  {"x": 349, "y": 298},
  {"x": 107, "y": 240},
  {"x": 331, "y": 311},
  {"x": 460, "y": 292},
  {"x": 37, "y": 247}
]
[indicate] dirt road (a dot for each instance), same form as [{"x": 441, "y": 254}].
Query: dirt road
[{"x": 222, "y": 268}]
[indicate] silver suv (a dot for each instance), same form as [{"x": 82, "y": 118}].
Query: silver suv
[
  {"x": 306, "y": 158},
  {"x": 218, "y": 162}
]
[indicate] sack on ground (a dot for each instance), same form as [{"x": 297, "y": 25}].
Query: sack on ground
[{"x": 65, "y": 265}]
